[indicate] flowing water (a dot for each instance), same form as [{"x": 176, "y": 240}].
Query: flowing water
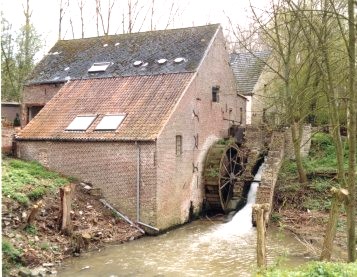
[{"x": 201, "y": 248}]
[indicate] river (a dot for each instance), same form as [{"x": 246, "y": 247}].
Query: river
[{"x": 200, "y": 248}]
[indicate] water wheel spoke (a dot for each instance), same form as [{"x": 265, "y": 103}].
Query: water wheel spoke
[
  {"x": 225, "y": 168},
  {"x": 234, "y": 167},
  {"x": 225, "y": 184}
]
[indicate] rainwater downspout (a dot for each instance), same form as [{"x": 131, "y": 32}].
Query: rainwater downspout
[
  {"x": 138, "y": 182},
  {"x": 138, "y": 179}
]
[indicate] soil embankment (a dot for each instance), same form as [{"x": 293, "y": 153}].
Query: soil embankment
[{"x": 42, "y": 245}]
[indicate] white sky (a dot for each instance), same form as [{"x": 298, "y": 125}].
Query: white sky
[{"x": 45, "y": 15}]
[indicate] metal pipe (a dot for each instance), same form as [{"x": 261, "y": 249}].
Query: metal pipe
[
  {"x": 105, "y": 203},
  {"x": 138, "y": 183},
  {"x": 149, "y": 226}
]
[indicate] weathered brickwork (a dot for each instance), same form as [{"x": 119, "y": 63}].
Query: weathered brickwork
[
  {"x": 111, "y": 166},
  {"x": 179, "y": 177},
  {"x": 36, "y": 95},
  {"x": 7, "y": 136},
  {"x": 169, "y": 183}
]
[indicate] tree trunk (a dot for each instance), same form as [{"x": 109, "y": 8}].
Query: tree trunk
[
  {"x": 296, "y": 137},
  {"x": 66, "y": 194},
  {"x": 338, "y": 197},
  {"x": 351, "y": 204}
]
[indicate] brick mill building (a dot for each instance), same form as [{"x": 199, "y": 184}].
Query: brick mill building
[{"x": 134, "y": 115}]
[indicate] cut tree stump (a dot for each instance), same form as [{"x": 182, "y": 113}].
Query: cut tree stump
[
  {"x": 261, "y": 211},
  {"x": 34, "y": 211},
  {"x": 339, "y": 196},
  {"x": 66, "y": 194}
]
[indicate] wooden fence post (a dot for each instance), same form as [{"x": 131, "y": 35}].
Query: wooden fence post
[
  {"x": 338, "y": 197},
  {"x": 261, "y": 211},
  {"x": 66, "y": 194}
]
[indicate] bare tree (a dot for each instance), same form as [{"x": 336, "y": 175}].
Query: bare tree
[
  {"x": 332, "y": 32},
  {"x": 81, "y": 4},
  {"x": 100, "y": 14}
]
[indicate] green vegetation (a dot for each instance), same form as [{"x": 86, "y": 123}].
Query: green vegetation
[
  {"x": 321, "y": 168},
  {"x": 25, "y": 181},
  {"x": 31, "y": 229},
  {"x": 322, "y": 156},
  {"x": 315, "y": 269},
  {"x": 11, "y": 256}
]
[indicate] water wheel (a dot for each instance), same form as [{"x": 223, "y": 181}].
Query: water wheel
[{"x": 223, "y": 166}]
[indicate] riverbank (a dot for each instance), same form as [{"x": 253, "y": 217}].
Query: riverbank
[
  {"x": 304, "y": 208},
  {"x": 41, "y": 246}
]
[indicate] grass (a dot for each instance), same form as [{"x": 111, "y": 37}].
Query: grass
[
  {"x": 322, "y": 157},
  {"x": 315, "y": 195},
  {"x": 26, "y": 181},
  {"x": 10, "y": 256},
  {"x": 314, "y": 269}
]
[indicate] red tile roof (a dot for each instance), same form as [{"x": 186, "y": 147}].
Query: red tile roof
[{"x": 147, "y": 102}]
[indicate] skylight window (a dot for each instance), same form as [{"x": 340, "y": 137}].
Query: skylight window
[
  {"x": 110, "y": 122},
  {"x": 162, "y": 61},
  {"x": 137, "y": 63},
  {"x": 81, "y": 123},
  {"x": 99, "y": 67},
  {"x": 179, "y": 60}
]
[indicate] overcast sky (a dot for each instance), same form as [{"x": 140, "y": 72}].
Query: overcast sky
[{"x": 45, "y": 15}]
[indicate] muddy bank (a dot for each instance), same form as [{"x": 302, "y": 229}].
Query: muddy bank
[{"x": 43, "y": 245}]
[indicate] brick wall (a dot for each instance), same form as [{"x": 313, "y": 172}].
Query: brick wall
[
  {"x": 36, "y": 95},
  {"x": 169, "y": 183},
  {"x": 7, "y": 136},
  {"x": 111, "y": 166},
  {"x": 179, "y": 177}
]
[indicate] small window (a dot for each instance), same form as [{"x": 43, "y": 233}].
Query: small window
[
  {"x": 178, "y": 145},
  {"x": 241, "y": 115},
  {"x": 110, "y": 122},
  {"x": 99, "y": 67},
  {"x": 81, "y": 123},
  {"x": 215, "y": 94}
]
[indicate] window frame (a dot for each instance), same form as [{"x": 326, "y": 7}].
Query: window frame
[
  {"x": 81, "y": 129},
  {"x": 215, "y": 94},
  {"x": 123, "y": 116},
  {"x": 179, "y": 145}
]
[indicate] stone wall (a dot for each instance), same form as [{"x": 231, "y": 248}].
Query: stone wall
[
  {"x": 273, "y": 161},
  {"x": 305, "y": 143}
]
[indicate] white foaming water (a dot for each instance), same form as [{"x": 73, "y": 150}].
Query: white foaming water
[{"x": 241, "y": 223}]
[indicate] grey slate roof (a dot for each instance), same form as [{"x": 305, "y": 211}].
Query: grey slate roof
[
  {"x": 247, "y": 68},
  {"x": 78, "y": 55}
]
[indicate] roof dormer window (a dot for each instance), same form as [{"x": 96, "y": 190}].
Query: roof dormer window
[
  {"x": 99, "y": 67},
  {"x": 110, "y": 122}
]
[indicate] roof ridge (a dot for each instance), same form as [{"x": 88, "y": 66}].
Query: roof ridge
[{"x": 139, "y": 33}]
